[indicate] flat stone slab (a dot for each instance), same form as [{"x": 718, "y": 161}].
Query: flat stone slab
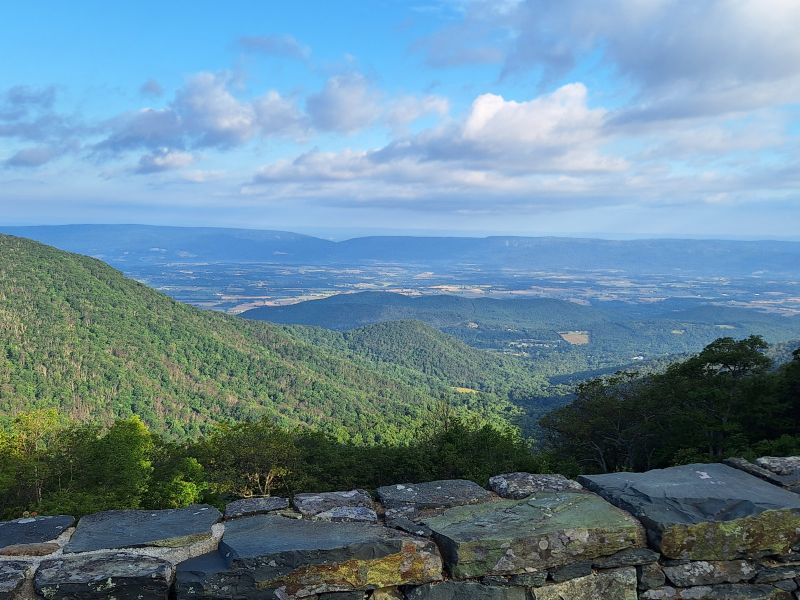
[
  {"x": 718, "y": 592},
  {"x": 12, "y": 577},
  {"x": 619, "y": 584},
  {"x": 520, "y": 536},
  {"x": 354, "y": 514},
  {"x": 26, "y": 536},
  {"x": 311, "y": 505},
  {"x": 209, "y": 577},
  {"x": 299, "y": 558},
  {"x": 705, "y": 511},
  {"x": 122, "y": 576},
  {"x": 170, "y": 528},
  {"x": 705, "y": 572},
  {"x": 517, "y": 486},
  {"x": 466, "y": 590},
  {"x": 412, "y": 497},
  {"x": 247, "y": 507},
  {"x": 783, "y": 474}
]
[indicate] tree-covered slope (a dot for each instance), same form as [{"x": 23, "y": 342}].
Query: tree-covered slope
[{"x": 77, "y": 335}]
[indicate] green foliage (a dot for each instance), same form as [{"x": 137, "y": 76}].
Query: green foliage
[
  {"x": 77, "y": 336},
  {"x": 85, "y": 469},
  {"x": 723, "y": 401}
]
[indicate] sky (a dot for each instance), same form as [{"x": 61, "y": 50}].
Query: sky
[{"x": 528, "y": 117}]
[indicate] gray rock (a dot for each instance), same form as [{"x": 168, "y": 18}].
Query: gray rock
[
  {"x": 571, "y": 571},
  {"x": 300, "y": 558},
  {"x": 780, "y": 465},
  {"x": 529, "y": 579},
  {"x": 312, "y": 505},
  {"x": 247, "y": 507},
  {"x": 709, "y": 572},
  {"x": 12, "y": 577},
  {"x": 521, "y": 485},
  {"x": 409, "y": 526},
  {"x": 518, "y": 536},
  {"x": 760, "y": 472},
  {"x": 354, "y": 514},
  {"x": 342, "y": 596},
  {"x": 121, "y": 576},
  {"x": 466, "y": 590},
  {"x": 209, "y": 577},
  {"x": 618, "y": 584},
  {"x": 772, "y": 574},
  {"x": 115, "y": 529},
  {"x": 412, "y": 497},
  {"x": 650, "y": 576},
  {"x": 705, "y": 511},
  {"x": 31, "y": 532},
  {"x": 788, "y": 585},
  {"x": 630, "y": 557},
  {"x": 725, "y": 591}
]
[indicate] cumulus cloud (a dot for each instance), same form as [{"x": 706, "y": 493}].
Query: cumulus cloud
[
  {"x": 681, "y": 60},
  {"x": 346, "y": 103},
  {"x": 163, "y": 159},
  {"x": 285, "y": 46},
  {"x": 501, "y": 147},
  {"x": 204, "y": 113}
]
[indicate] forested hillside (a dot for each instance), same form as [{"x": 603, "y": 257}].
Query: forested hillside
[
  {"x": 553, "y": 337},
  {"x": 78, "y": 336}
]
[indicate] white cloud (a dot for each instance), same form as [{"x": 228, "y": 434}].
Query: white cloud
[
  {"x": 164, "y": 159},
  {"x": 347, "y": 103},
  {"x": 500, "y": 147}
]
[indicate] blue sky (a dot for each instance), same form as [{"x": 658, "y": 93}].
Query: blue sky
[{"x": 622, "y": 117}]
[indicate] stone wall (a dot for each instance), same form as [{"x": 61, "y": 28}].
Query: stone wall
[{"x": 703, "y": 531}]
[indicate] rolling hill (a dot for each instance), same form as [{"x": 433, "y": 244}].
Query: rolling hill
[
  {"x": 558, "y": 336},
  {"x": 77, "y": 335}
]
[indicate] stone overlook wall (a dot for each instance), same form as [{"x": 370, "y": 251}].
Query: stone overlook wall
[{"x": 703, "y": 531}]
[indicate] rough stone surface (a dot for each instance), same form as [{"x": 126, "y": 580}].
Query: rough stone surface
[
  {"x": 31, "y": 531},
  {"x": 706, "y": 511},
  {"x": 630, "y": 557},
  {"x": 255, "y": 506},
  {"x": 208, "y": 577},
  {"x": 650, "y": 576},
  {"x": 466, "y": 590},
  {"x": 619, "y": 584},
  {"x": 12, "y": 578},
  {"x": 517, "y": 486},
  {"x": 42, "y": 549},
  {"x": 355, "y": 514},
  {"x": 413, "y": 497},
  {"x": 709, "y": 572},
  {"x": 391, "y": 593},
  {"x": 138, "y": 528},
  {"x": 312, "y": 505},
  {"x": 121, "y": 576},
  {"x": 780, "y": 465},
  {"x": 300, "y": 558},
  {"x": 342, "y": 596},
  {"x": 571, "y": 571},
  {"x": 409, "y": 526},
  {"x": 772, "y": 574},
  {"x": 718, "y": 592},
  {"x": 516, "y": 536}
]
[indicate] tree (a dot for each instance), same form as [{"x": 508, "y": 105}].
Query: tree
[{"x": 251, "y": 459}]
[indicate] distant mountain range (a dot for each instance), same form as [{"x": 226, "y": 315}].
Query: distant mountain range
[{"x": 124, "y": 243}]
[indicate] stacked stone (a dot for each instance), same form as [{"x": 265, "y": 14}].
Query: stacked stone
[
  {"x": 714, "y": 532},
  {"x": 721, "y": 533}
]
